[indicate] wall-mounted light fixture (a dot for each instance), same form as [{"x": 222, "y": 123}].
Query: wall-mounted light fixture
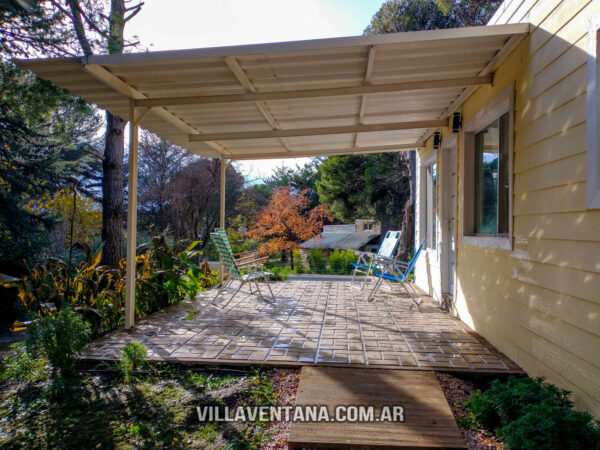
[
  {"x": 437, "y": 140},
  {"x": 456, "y": 122}
]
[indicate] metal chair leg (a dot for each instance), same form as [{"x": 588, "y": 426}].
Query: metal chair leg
[
  {"x": 269, "y": 286},
  {"x": 234, "y": 294},
  {"x": 258, "y": 290},
  {"x": 371, "y": 296},
  {"x": 224, "y": 286}
]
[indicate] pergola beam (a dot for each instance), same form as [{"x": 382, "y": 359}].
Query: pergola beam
[
  {"x": 332, "y": 152},
  {"x": 316, "y": 93},
  {"x": 360, "y": 128}
]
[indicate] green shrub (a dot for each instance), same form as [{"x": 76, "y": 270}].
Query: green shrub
[
  {"x": 22, "y": 366},
  {"x": 544, "y": 426},
  {"x": 133, "y": 357},
  {"x": 279, "y": 273},
  {"x": 298, "y": 263},
  {"x": 340, "y": 262},
  {"x": 59, "y": 338},
  {"x": 505, "y": 402},
  {"x": 528, "y": 413},
  {"x": 316, "y": 262}
]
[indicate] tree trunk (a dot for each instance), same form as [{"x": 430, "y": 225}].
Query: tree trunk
[
  {"x": 292, "y": 259},
  {"x": 112, "y": 191},
  {"x": 112, "y": 166},
  {"x": 408, "y": 224}
]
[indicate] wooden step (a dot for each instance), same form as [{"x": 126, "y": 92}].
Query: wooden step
[{"x": 428, "y": 420}]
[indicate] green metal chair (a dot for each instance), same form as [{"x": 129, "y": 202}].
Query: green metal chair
[{"x": 249, "y": 262}]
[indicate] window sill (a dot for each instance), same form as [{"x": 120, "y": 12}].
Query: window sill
[{"x": 503, "y": 243}]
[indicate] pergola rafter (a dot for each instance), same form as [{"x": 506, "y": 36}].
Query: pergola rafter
[
  {"x": 361, "y": 128},
  {"x": 254, "y": 97}
]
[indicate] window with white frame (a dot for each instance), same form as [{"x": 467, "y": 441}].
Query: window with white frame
[
  {"x": 429, "y": 203},
  {"x": 431, "y": 209},
  {"x": 491, "y": 188},
  {"x": 487, "y": 174},
  {"x": 593, "y": 116}
]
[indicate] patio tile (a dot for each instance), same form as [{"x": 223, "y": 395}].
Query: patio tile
[{"x": 311, "y": 323}]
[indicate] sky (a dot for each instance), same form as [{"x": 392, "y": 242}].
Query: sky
[{"x": 181, "y": 24}]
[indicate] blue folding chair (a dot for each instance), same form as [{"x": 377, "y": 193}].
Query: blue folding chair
[{"x": 389, "y": 269}]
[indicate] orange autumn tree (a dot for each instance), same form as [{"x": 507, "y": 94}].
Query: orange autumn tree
[{"x": 286, "y": 221}]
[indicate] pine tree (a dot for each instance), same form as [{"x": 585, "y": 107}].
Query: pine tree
[{"x": 44, "y": 131}]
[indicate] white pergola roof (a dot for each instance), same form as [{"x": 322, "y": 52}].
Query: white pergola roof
[{"x": 294, "y": 99}]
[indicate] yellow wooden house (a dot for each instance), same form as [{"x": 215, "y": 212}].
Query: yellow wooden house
[{"x": 510, "y": 203}]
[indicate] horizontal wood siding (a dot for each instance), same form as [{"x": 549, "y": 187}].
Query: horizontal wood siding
[{"x": 539, "y": 303}]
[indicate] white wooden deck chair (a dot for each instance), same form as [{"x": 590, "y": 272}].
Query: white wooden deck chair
[
  {"x": 234, "y": 264},
  {"x": 367, "y": 261}
]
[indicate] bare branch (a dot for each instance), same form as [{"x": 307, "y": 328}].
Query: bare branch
[
  {"x": 139, "y": 5},
  {"x": 133, "y": 14}
]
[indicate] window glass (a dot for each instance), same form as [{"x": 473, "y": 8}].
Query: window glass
[{"x": 492, "y": 178}]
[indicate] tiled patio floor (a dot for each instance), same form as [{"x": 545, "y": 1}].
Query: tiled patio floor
[{"x": 312, "y": 322}]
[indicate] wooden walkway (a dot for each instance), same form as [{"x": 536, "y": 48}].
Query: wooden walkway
[{"x": 428, "y": 420}]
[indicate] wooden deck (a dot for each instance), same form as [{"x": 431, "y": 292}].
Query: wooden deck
[
  {"x": 311, "y": 323},
  {"x": 428, "y": 420}
]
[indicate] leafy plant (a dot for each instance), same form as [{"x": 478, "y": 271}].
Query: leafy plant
[
  {"x": 340, "y": 262},
  {"x": 299, "y": 265},
  {"x": 279, "y": 273},
  {"x": 204, "y": 381},
  {"x": 59, "y": 337},
  {"x": 133, "y": 357},
  {"x": 164, "y": 276},
  {"x": 22, "y": 366},
  {"x": 261, "y": 390},
  {"x": 506, "y": 402},
  {"x": 93, "y": 290},
  {"x": 316, "y": 261},
  {"x": 547, "y": 426}
]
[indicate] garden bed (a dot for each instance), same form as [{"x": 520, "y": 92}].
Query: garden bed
[
  {"x": 158, "y": 409},
  {"x": 156, "y": 412},
  {"x": 457, "y": 390}
]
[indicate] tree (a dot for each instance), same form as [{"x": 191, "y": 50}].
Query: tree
[
  {"x": 87, "y": 219},
  {"x": 300, "y": 178},
  {"x": 194, "y": 198},
  {"x": 44, "y": 132},
  {"x": 372, "y": 186},
  {"x": 159, "y": 161},
  {"x": 31, "y": 27},
  {"x": 286, "y": 221},
  {"x": 95, "y": 30},
  {"x": 414, "y": 15},
  {"x": 252, "y": 200}
]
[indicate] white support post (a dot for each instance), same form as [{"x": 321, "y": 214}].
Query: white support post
[
  {"x": 222, "y": 210},
  {"x": 131, "y": 215}
]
